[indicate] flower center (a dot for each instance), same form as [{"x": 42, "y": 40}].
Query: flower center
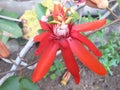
[{"x": 61, "y": 30}]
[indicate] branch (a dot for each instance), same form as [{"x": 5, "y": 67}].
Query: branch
[
  {"x": 20, "y": 69},
  {"x": 103, "y": 26},
  {"x": 108, "y": 13},
  {"x": 18, "y": 59}
]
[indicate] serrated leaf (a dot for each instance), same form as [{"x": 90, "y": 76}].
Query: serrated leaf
[
  {"x": 26, "y": 84},
  {"x": 40, "y": 10},
  {"x": 31, "y": 24},
  {"x": 11, "y": 83},
  {"x": 8, "y": 13},
  {"x": 10, "y": 27}
]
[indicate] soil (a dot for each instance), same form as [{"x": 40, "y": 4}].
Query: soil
[{"x": 89, "y": 80}]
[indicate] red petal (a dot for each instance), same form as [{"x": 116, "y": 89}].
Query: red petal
[
  {"x": 69, "y": 60},
  {"x": 42, "y": 46},
  {"x": 57, "y": 9},
  {"x": 45, "y": 62},
  {"x": 88, "y": 43},
  {"x": 86, "y": 57},
  {"x": 89, "y": 26},
  {"x": 45, "y": 26},
  {"x": 40, "y": 37}
]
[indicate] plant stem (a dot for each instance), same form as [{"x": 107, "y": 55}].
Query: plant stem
[{"x": 9, "y": 18}]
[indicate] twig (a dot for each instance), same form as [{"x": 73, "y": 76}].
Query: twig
[
  {"x": 18, "y": 59},
  {"x": 22, "y": 63},
  {"x": 9, "y": 18},
  {"x": 105, "y": 16},
  {"x": 112, "y": 12},
  {"x": 104, "y": 26},
  {"x": 108, "y": 13},
  {"x": 20, "y": 69}
]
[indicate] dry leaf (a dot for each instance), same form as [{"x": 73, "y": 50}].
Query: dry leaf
[
  {"x": 102, "y": 4},
  {"x": 4, "y": 52},
  {"x": 30, "y": 24}
]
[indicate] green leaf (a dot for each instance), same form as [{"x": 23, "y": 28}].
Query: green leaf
[
  {"x": 52, "y": 68},
  {"x": 18, "y": 83},
  {"x": 11, "y": 83},
  {"x": 8, "y": 13},
  {"x": 10, "y": 27},
  {"x": 53, "y": 76},
  {"x": 1, "y": 34},
  {"x": 59, "y": 66},
  {"x": 26, "y": 84},
  {"x": 5, "y": 39},
  {"x": 41, "y": 11}
]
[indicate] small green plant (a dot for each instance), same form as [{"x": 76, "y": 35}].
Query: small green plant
[
  {"x": 56, "y": 69},
  {"x": 111, "y": 55}
]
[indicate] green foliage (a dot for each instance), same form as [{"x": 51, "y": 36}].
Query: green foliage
[
  {"x": 41, "y": 10},
  {"x": 110, "y": 50},
  {"x": 10, "y": 27},
  {"x": 8, "y": 13},
  {"x": 56, "y": 69},
  {"x": 27, "y": 84},
  {"x": 11, "y": 84},
  {"x": 18, "y": 83}
]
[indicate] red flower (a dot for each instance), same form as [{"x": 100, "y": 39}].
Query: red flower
[{"x": 70, "y": 41}]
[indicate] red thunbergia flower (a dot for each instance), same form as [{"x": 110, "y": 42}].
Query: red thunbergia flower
[{"x": 67, "y": 38}]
